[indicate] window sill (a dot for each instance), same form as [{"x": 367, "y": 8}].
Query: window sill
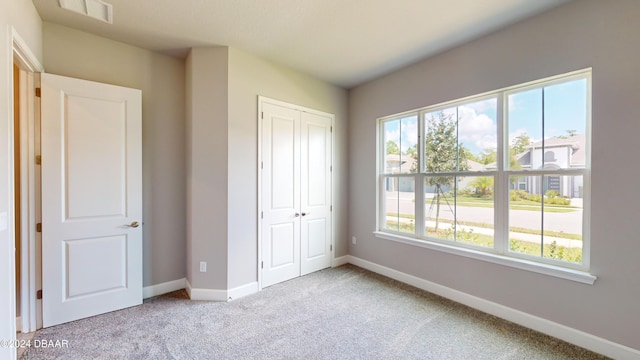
[{"x": 540, "y": 268}]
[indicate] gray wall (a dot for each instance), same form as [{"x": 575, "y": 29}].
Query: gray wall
[
  {"x": 207, "y": 114},
  {"x": 586, "y": 33},
  {"x": 23, "y": 17},
  {"x": 250, "y": 76},
  {"x": 161, "y": 78}
]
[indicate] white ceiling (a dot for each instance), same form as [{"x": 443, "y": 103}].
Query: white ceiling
[{"x": 345, "y": 42}]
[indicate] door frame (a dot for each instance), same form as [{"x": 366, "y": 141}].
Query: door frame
[
  {"x": 261, "y": 101},
  {"x": 30, "y": 67}
]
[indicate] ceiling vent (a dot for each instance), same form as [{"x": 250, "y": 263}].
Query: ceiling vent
[{"x": 96, "y": 9}]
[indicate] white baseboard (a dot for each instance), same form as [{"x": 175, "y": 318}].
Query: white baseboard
[
  {"x": 242, "y": 291},
  {"x": 205, "y": 294},
  {"x": 18, "y": 323},
  {"x": 339, "y": 261},
  {"x": 163, "y": 288},
  {"x": 571, "y": 335}
]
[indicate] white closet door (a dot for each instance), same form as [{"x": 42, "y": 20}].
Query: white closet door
[
  {"x": 315, "y": 159},
  {"x": 280, "y": 194},
  {"x": 295, "y": 225}
]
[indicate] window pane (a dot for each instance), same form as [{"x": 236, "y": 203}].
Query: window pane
[
  {"x": 562, "y": 218},
  {"x": 462, "y": 213},
  {"x": 440, "y": 207},
  {"x": 440, "y": 141},
  {"x": 545, "y": 219},
  {"x": 391, "y": 146},
  {"x": 474, "y": 210},
  {"x": 401, "y": 145},
  {"x": 409, "y": 144},
  {"x": 525, "y": 216},
  {"x": 400, "y": 204},
  {"x": 525, "y": 130},
  {"x": 547, "y": 127},
  {"x": 565, "y": 114},
  {"x": 477, "y": 135}
]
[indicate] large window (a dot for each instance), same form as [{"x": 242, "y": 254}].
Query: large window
[{"x": 504, "y": 172}]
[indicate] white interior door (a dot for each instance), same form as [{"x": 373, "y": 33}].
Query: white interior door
[
  {"x": 315, "y": 200},
  {"x": 91, "y": 198},
  {"x": 295, "y": 192},
  {"x": 280, "y": 194}
]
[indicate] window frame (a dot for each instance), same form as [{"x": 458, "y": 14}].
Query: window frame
[{"x": 500, "y": 252}]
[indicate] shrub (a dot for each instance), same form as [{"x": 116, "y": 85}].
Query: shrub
[
  {"x": 557, "y": 201},
  {"x": 551, "y": 193},
  {"x": 533, "y": 197}
]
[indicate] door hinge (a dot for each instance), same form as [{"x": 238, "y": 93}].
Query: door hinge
[
  {"x": 39, "y": 227},
  {"x": 261, "y": 214},
  {"x": 331, "y": 168},
  {"x": 331, "y": 129},
  {"x": 38, "y": 92},
  {"x": 262, "y": 115},
  {"x": 262, "y": 264},
  {"x": 262, "y": 165},
  {"x": 39, "y": 294},
  {"x": 331, "y": 208},
  {"x": 330, "y": 247},
  {"x": 38, "y": 159}
]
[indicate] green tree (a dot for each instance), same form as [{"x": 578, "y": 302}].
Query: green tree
[
  {"x": 442, "y": 154},
  {"x": 520, "y": 143},
  {"x": 392, "y": 148},
  {"x": 488, "y": 156},
  {"x": 484, "y": 184}
]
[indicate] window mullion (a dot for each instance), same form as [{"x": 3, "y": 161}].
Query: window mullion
[
  {"x": 501, "y": 190},
  {"x": 419, "y": 210},
  {"x": 419, "y": 180}
]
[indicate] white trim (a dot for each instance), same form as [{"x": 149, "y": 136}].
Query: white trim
[
  {"x": 205, "y": 294},
  {"x": 23, "y": 54},
  {"x": 339, "y": 261},
  {"x": 563, "y": 332},
  {"x": 163, "y": 288},
  {"x": 522, "y": 264},
  {"x": 242, "y": 291},
  {"x": 20, "y": 53}
]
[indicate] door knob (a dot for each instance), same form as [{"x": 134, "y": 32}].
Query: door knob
[
  {"x": 305, "y": 214},
  {"x": 296, "y": 215},
  {"x": 134, "y": 224}
]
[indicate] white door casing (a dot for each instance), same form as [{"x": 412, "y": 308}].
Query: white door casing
[
  {"x": 91, "y": 198},
  {"x": 295, "y": 188}
]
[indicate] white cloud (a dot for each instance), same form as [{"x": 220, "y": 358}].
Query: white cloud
[
  {"x": 409, "y": 134},
  {"x": 484, "y": 105},
  {"x": 392, "y": 135},
  {"x": 476, "y": 130}
]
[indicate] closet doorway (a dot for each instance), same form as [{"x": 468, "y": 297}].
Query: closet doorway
[{"x": 295, "y": 190}]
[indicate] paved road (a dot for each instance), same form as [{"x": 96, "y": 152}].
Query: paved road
[{"x": 569, "y": 222}]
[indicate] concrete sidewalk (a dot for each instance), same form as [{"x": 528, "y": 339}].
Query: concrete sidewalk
[{"x": 531, "y": 238}]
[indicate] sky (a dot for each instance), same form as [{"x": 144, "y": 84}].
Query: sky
[{"x": 564, "y": 109}]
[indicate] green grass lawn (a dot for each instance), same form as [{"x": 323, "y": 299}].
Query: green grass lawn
[
  {"x": 558, "y": 234},
  {"x": 487, "y": 202},
  {"x": 552, "y": 251}
]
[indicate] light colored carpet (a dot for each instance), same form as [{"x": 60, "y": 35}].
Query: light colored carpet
[{"x": 341, "y": 313}]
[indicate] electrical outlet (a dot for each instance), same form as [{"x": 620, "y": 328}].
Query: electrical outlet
[
  {"x": 353, "y": 240},
  {"x": 203, "y": 266}
]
